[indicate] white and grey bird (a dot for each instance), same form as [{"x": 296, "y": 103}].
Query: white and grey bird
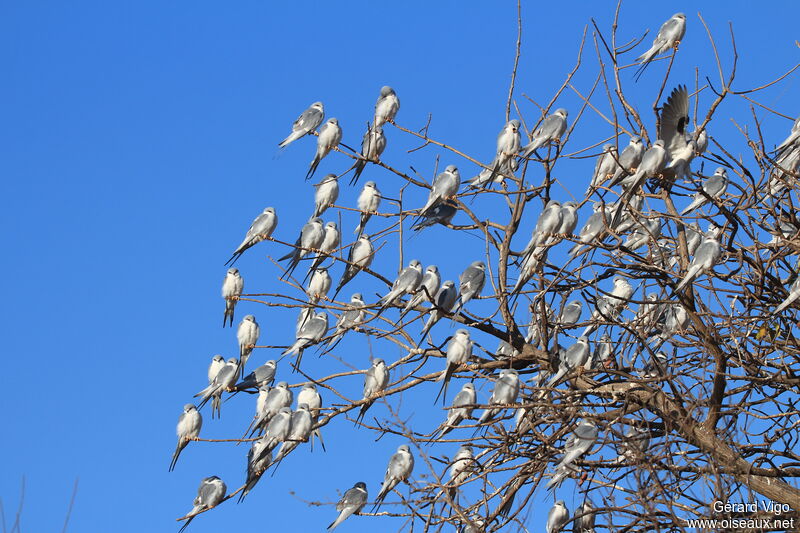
[
  {"x": 508, "y": 143},
  {"x": 387, "y": 106},
  {"x": 505, "y": 350},
  {"x": 602, "y": 355},
  {"x": 217, "y": 362},
  {"x": 300, "y": 431},
  {"x": 596, "y": 227},
  {"x": 247, "y": 335},
  {"x": 460, "y": 409},
  {"x": 713, "y": 188},
  {"x": 680, "y": 146},
  {"x": 470, "y": 284},
  {"x": 794, "y": 294},
  {"x": 669, "y": 37},
  {"x": 258, "y": 460},
  {"x": 211, "y": 492},
  {"x": 276, "y": 399},
  {"x": 352, "y": 502},
  {"x": 557, "y": 517},
  {"x": 653, "y": 162},
  {"x": 308, "y": 121},
  {"x": 604, "y": 168},
  {"x": 506, "y": 390},
  {"x": 571, "y": 314},
  {"x": 644, "y": 231},
  {"x": 326, "y": 194},
  {"x": 306, "y": 313},
  {"x": 573, "y": 359},
  {"x": 400, "y": 467},
  {"x": 375, "y": 380},
  {"x": 549, "y": 131},
  {"x": 260, "y": 230},
  {"x": 263, "y": 375},
  {"x": 278, "y": 430},
  {"x": 309, "y": 241},
  {"x": 368, "y": 202},
  {"x": 461, "y": 466},
  {"x": 540, "y": 312},
  {"x": 232, "y": 287},
  {"x": 609, "y": 306},
  {"x": 349, "y": 319},
  {"x": 675, "y": 319},
  {"x": 431, "y": 281},
  {"x": 407, "y": 282},
  {"x": 441, "y": 214},
  {"x": 442, "y": 303},
  {"x": 569, "y": 219},
  {"x": 318, "y": 285},
  {"x": 584, "y": 518},
  {"x": 578, "y": 444},
  {"x": 224, "y": 380},
  {"x": 310, "y": 396},
  {"x": 313, "y": 331},
  {"x": 330, "y": 243},
  {"x": 189, "y": 424},
  {"x": 634, "y": 445},
  {"x": 631, "y": 213},
  {"x": 360, "y": 257},
  {"x": 706, "y": 256},
  {"x": 547, "y": 226},
  {"x": 700, "y": 141},
  {"x": 629, "y": 160},
  {"x": 792, "y": 141},
  {"x": 445, "y": 186},
  {"x": 330, "y": 135},
  {"x": 372, "y": 146},
  {"x": 459, "y": 351},
  {"x": 655, "y": 367}
]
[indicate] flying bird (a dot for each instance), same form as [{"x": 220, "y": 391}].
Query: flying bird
[
  {"x": 260, "y": 230},
  {"x": 189, "y": 424},
  {"x": 330, "y": 135},
  {"x": 210, "y": 493},
  {"x": 680, "y": 146},
  {"x": 669, "y": 36},
  {"x": 308, "y": 121},
  {"x": 351, "y": 503}
]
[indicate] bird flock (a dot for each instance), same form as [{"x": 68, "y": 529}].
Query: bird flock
[{"x": 277, "y": 430}]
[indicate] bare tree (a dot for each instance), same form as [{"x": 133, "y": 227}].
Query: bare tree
[{"x": 656, "y": 363}]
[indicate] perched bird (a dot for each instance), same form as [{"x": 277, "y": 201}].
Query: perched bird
[
  {"x": 360, "y": 257},
  {"x": 706, "y": 256},
  {"x": 444, "y": 187},
  {"x": 603, "y": 355},
  {"x": 326, "y": 194},
  {"x": 634, "y": 446},
  {"x": 681, "y": 148},
  {"x": 557, "y": 517},
  {"x": 669, "y": 36},
  {"x": 443, "y": 302},
  {"x": 372, "y": 147},
  {"x": 508, "y": 143},
  {"x": 387, "y": 106},
  {"x": 652, "y": 165},
  {"x": 319, "y": 285},
  {"x": 460, "y": 409},
  {"x": 427, "y": 290},
  {"x": 224, "y": 380},
  {"x": 571, "y": 314},
  {"x": 794, "y": 294},
  {"x": 656, "y": 367},
  {"x": 247, "y": 334},
  {"x": 310, "y": 333},
  {"x": 217, "y": 362},
  {"x": 375, "y": 380},
  {"x": 260, "y": 230},
  {"x": 470, "y": 284},
  {"x": 300, "y": 431},
  {"x": 330, "y": 242},
  {"x": 277, "y": 398},
  {"x": 441, "y": 214},
  {"x": 792, "y": 141},
  {"x": 406, "y": 283},
  {"x": 210, "y": 493},
  {"x": 609, "y": 306},
  {"x": 232, "y": 287},
  {"x": 368, "y": 202},
  {"x": 278, "y": 430},
  {"x": 505, "y": 351},
  {"x": 308, "y": 121},
  {"x": 189, "y": 424},
  {"x": 506, "y": 390},
  {"x": 353, "y": 317},
  {"x": 460, "y": 468},
  {"x": 577, "y": 444},
  {"x": 310, "y": 239},
  {"x": 604, "y": 168},
  {"x": 549, "y": 131},
  {"x": 713, "y": 188},
  {"x": 263, "y": 375},
  {"x": 584, "y": 518},
  {"x": 351, "y": 503},
  {"x": 258, "y": 460},
  {"x": 400, "y": 466},
  {"x": 645, "y": 231},
  {"x": 330, "y": 135},
  {"x": 310, "y": 396},
  {"x": 629, "y": 160},
  {"x": 596, "y": 227},
  {"x": 547, "y": 225},
  {"x": 459, "y": 351},
  {"x": 573, "y": 359}
]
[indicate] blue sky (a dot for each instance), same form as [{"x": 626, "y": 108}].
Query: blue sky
[{"x": 138, "y": 141}]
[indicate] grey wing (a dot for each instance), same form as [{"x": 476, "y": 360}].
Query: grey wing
[
  {"x": 551, "y": 127},
  {"x": 674, "y": 120},
  {"x": 308, "y": 120}
]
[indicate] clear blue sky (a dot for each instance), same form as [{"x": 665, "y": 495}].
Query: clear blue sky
[{"x": 137, "y": 143}]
